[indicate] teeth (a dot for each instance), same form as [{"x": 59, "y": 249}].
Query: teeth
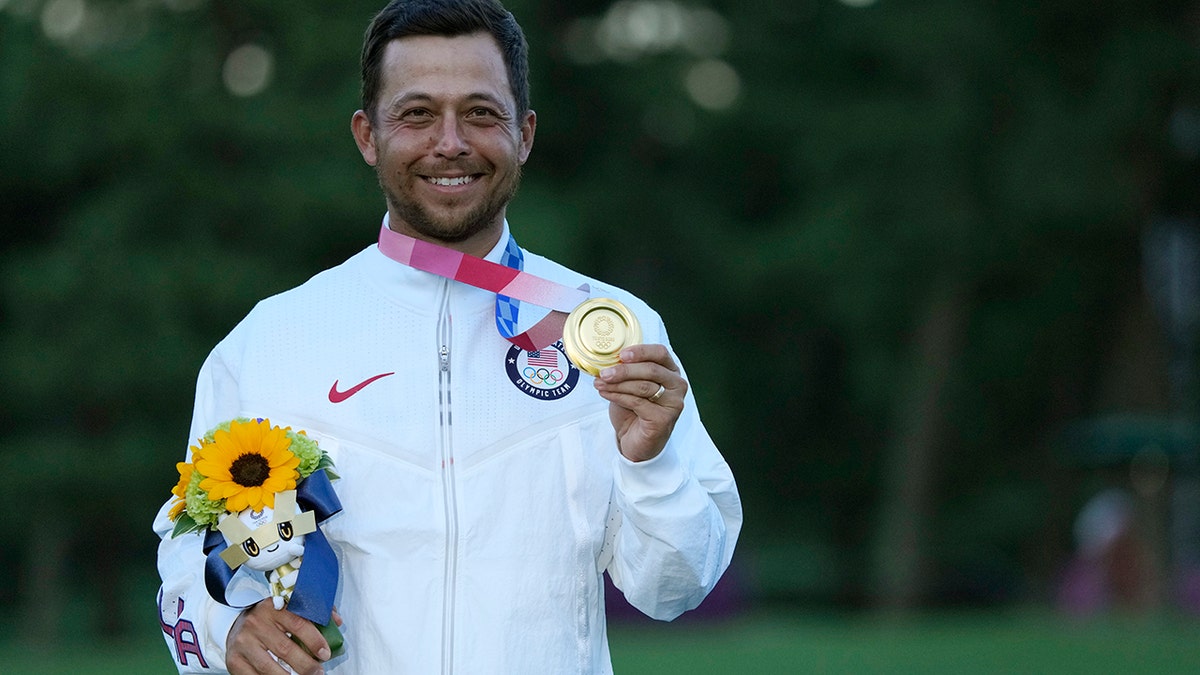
[{"x": 447, "y": 182}]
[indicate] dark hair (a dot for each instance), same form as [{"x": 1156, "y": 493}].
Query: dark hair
[{"x": 449, "y": 18}]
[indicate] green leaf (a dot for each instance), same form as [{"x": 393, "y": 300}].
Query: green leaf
[{"x": 184, "y": 524}]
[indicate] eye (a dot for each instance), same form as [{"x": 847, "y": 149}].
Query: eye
[
  {"x": 250, "y": 547},
  {"x": 285, "y": 531},
  {"x": 483, "y": 113}
]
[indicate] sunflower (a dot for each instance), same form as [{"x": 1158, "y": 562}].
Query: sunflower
[
  {"x": 180, "y": 489},
  {"x": 247, "y": 465}
]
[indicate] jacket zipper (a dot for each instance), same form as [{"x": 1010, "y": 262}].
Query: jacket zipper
[{"x": 449, "y": 498}]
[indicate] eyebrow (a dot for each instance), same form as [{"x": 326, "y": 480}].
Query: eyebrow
[{"x": 422, "y": 97}]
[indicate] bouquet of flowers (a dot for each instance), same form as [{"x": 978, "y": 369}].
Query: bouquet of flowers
[{"x": 258, "y": 493}]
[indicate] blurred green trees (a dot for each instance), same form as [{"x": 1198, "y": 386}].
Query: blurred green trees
[{"x": 897, "y": 245}]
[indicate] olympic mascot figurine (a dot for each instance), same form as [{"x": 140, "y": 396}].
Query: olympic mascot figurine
[
  {"x": 271, "y": 541},
  {"x": 259, "y": 494}
]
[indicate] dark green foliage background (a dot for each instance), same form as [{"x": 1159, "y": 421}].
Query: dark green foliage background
[{"x": 878, "y": 161}]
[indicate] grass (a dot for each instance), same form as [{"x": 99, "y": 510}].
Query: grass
[{"x": 976, "y": 643}]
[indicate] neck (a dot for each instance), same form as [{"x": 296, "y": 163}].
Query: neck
[{"x": 479, "y": 244}]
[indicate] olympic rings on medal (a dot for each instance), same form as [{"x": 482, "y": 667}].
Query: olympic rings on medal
[{"x": 542, "y": 375}]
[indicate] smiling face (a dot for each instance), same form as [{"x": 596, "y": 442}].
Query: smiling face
[
  {"x": 446, "y": 139},
  {"x": 282, "y": 543}
]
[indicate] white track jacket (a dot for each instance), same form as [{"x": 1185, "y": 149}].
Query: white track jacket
[{"x": 483, "y": 494}]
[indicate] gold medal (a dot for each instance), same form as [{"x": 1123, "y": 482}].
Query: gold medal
[{"x": 596, "y": 331}]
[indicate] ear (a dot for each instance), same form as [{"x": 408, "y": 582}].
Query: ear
[
  {"x": 528, "y": 127},
  {"x": 364, "y": 136}
]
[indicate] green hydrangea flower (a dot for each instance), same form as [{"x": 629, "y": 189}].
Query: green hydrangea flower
[
  {"x": 211, "y": 435},
  {"x": 306, "y": 449},
  {"x": 204, "y": 511}
]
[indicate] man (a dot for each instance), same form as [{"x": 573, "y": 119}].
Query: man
[{"x": 486, "y": 488}]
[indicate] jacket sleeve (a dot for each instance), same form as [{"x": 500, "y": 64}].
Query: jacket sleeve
[
  {"x": 680, "y": 516},
  {"x": 194, "y": 625}
]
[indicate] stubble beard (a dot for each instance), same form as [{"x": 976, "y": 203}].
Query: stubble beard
[{"x": 450, "y": 230}]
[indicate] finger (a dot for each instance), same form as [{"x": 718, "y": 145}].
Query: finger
[
  {"x": 652, "y": 353},
  {"x": 303, "y": 643},
  {"x": 663, "y": 410},
  {"x": 644, "y": 395},
  {"x": 253, "y": 658},
  {"x": 298, "y": 660},
  {"x": 246, "y": 651},
  {"x": 264, "y": 629},
  {"x": 260, "y": 663},
  {"x": 643, "y": 380},
  {"x": 647, "y": 390},
  {"x": 647, "y": 371}
]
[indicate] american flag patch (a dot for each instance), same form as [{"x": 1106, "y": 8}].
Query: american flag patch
[{"x": 546, "y": 358}]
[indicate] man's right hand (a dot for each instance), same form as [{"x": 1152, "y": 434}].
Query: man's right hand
[{"x": 262, "y": 629}]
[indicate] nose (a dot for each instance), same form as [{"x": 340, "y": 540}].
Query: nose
[{"x": 449, "y": 141}]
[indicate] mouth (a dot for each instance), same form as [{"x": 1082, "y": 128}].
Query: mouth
[{"x": 450, "y": 181}]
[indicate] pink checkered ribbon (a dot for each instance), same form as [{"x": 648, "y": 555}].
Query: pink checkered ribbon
[{"x": 500, "y": 279}]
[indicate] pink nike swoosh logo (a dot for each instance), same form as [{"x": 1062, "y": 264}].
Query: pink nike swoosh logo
[{"x": 336, "y": 396}]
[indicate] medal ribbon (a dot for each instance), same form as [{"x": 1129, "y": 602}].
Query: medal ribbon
[{"x": 510, "y": 284}]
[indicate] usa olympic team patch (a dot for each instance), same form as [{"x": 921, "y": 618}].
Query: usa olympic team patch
[{"x": 546, "y": 374}]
